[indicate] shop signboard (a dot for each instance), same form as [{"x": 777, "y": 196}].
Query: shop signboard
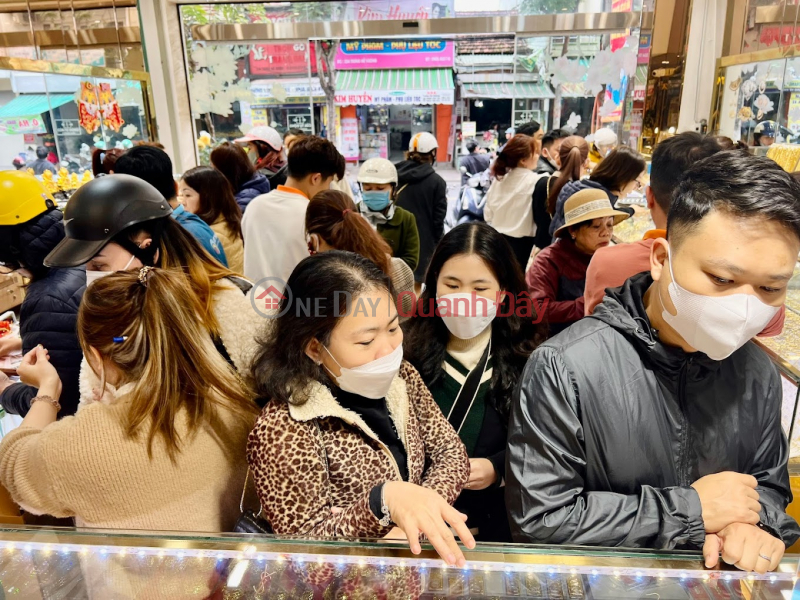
[
  {"x": 636, "y": 123},
  {"x": 291, "y": 91},
  {"x": 389, "y": 98},
  {"x": 282, "y": 59},
  {"x": 469, "y": 129},
  {"x": 299, "y": 118},
  {"x": 645, "y": 41},
  {"x": 349, "y": 147},
  {"x": 395, "y": 54},
  {"x": 68, "y": 127},
  {"x": 792, "y": 121},
  {"x": 259, "y": 116},
  {"x": 22, "y": 125},
  {"x": 403, "y": 10}
]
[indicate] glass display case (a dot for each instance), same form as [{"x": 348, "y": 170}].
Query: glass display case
[
  {"x": 757, "y": 98},
  {"x": 51, "y": 563}
]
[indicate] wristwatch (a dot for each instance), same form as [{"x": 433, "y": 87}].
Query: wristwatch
[{"x": 386, "y": 519}]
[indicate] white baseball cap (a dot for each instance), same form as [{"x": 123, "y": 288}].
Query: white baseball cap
[
  {"x": 265, "y": 134},
  {"x": 423, "y": 143},
  {"x": 377, "y": 170}
]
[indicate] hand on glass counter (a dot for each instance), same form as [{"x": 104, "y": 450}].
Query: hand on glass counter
[
  {"x": 481, "y": 474},
  {"x": 727, "y": 498},
  {"x": 10, "y": 344},
  {"x": 745, "y": 546},
  {"x": 418, "y": 510}
]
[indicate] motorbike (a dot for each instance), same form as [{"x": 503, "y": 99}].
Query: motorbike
[{"x": 472, "y": 198}]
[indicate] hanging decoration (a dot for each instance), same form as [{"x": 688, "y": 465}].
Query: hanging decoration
[
  {"x": 109, "y": 107},
  {"x": 89, "y": 107}
]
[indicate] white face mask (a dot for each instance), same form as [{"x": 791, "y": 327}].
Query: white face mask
[
  {"x": 716, "y": 325},
  {"x": 92, "y": 276},
  {"x": 373, "y": 379},
  {"x": 466, "y": 315}
]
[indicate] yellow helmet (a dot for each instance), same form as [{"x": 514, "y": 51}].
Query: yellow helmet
[{"x": 22, "y": 197}]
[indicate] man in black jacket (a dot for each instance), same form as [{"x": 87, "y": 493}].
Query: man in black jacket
[
  {"x": 475, "y": 162},
  {"x": 549, "y": 159},
  {"x": 656, "y": 423},
  {"x": 422, "y": 192},
  {"x": 30, "y": 227}
]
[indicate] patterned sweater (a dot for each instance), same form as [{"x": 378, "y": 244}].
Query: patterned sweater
[{"x": 309, "y": 458}]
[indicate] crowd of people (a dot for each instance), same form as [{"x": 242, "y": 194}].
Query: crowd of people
[{"x": 521, "y": 379}]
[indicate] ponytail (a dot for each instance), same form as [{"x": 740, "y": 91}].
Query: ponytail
[
  {"x": 519, "y": 148},
  {"x": 146, "y": 324},
  {"x": 103, "y": 160},
  {"x": 573, "y": 154},
  {"x": 333, "y": 216}
]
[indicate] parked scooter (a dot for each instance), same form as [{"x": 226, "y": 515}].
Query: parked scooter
[{"x": 472, "y": 198}]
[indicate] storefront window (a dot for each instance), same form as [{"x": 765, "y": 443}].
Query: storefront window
[{"x": 70, "y": 116}]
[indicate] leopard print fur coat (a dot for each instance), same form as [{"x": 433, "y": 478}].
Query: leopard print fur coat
[{"x": 307, "y": 458}]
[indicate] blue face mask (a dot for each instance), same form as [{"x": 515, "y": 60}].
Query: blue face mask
[{"x": 377, "y": 200}]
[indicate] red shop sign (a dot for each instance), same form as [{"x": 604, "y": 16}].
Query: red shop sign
[{"x": 281, "y": 59}]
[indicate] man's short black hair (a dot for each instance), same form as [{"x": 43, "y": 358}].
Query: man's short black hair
[
  {"x": 738, "y": 184},
  {"x": 671, "y": 159},
  {"x": 151, "y": 164},
  {"x": 530, "y": 128},
  {"x": 42, "y": 152},
  {"x": 313, "y": 154},
  {"x": 472, "y": 146},
  {"x": 551, "y": 137}
]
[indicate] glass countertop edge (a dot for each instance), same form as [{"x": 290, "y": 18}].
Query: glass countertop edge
[{"x": 515, "y": 556}]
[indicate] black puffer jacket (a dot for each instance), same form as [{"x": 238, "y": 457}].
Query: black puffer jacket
[
  {"x": 49, "y": 313},
  {"x": 603, "y": 452},
  {"x": 423, "y": 193}
]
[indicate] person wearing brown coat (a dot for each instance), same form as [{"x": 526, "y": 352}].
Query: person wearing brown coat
[{"x": 350, "y": 442}]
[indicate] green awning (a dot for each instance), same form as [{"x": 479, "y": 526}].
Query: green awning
[
  {"x": 520, "y": 90},
  {"x": 33, "y": 104},
  {"x": 391, "y": 80}
]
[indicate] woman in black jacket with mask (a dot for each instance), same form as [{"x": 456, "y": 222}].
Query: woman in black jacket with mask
[{"x": 30, "y": 227}]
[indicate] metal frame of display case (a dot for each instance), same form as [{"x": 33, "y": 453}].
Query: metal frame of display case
[
  {"x": 55, "y": 68},
  {"x": 34, "y": 555}
]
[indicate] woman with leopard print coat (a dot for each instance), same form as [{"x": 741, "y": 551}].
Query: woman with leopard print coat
[{"x": 350, "y": 442}]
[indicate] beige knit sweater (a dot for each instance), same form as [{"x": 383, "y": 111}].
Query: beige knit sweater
[{"x": 85, "y": 466}]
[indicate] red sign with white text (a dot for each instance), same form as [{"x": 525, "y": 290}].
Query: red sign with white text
[{"x": 282, "y": 59}]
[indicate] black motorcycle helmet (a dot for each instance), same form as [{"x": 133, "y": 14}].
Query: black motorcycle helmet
[{"x": 101, "y": 210}]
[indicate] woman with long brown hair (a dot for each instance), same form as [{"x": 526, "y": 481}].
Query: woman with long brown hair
[
  {"x": 205, "y": 192},
  {"x": 168, "y": 452},
  {"x": 573, "y": 160},
  {"x": 231, "y": 160},
  {"x": 333, "y": 223},
  {"x": 509, "y": 201},
  {"x": 120, "y": 222}
]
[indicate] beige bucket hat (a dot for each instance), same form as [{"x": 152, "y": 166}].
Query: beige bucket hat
[{"x": 587, "y": 205}]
